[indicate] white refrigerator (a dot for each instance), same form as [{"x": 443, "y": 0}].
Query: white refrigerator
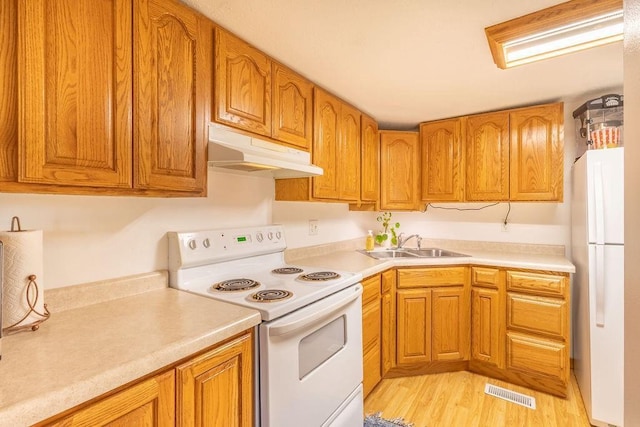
[{"x": 598, "y": 292}]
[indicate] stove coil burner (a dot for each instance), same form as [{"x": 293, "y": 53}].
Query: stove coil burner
[
  {"x": 287, "y": 270},
  {"x": 235, "y": 285},
  {"x": 271, "y": 295},
  {"x": 319, "y": 276}
]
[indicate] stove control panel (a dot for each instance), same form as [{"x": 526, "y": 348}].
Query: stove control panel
[{"x": 190, "y": 249}]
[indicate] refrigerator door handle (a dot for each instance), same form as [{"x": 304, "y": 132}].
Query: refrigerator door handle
[
  {"x": 600, "y": 285},
  {"x": 598, "y": 198}
]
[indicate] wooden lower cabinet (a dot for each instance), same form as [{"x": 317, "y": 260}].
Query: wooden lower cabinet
[
  {"x": 371, "y": 328},
  {"x": 414, "y": 326},
  {"x": 487, "y": 317},
  {"x": 213, "y": 389},
  {"x": 450, "y": 324},
  {"x": 509, "y": 324},
  {"x": 147, "y": 403},
  {"x": 487, "y": 327},
  {"x": 432, "y": 317},
  {"x": 520, "y": 327},
  {"x": 388, "y": 346},
  {"x": 216, "y": 388}
]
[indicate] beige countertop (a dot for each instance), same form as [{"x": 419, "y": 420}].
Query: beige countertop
[
  {"x": 352, "y": 260},
  {"x": 83, "y": 352}
]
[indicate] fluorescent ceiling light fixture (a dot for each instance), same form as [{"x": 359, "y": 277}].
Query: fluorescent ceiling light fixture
[{"x": 558, "y": 30}]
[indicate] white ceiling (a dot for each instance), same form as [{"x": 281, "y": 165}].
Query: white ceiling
[{"x": 408, "y": 61}]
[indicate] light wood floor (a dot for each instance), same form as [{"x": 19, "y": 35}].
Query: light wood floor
[{"x": 457, "y": 399}]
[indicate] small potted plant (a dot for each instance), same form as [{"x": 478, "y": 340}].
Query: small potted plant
[{"x": 388, "y": 236}]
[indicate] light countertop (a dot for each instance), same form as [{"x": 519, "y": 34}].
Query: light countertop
[
  {"x": 82, "y": 353},
  {"x": 352, "y": 260}
]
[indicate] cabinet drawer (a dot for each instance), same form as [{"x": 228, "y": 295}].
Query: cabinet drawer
[
  {"x": 538, "y": 283},
  {"x": 371, "y": 289},
  {"x": 371, "y": 325},
  {"x": 537, "y": 356},
  {"x": 388, "y": 281},
  {"x": 485, "y": 277},
  {"x": 537, "y": 314},
  {"x": 428, "y": 277}
]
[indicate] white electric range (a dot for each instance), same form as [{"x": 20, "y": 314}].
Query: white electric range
[{"x": 310, "y": 340}]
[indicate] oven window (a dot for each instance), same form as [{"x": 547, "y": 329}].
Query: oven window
[{"x": 320, "y": 345}]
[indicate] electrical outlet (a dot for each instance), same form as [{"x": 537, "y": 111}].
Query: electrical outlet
[{"x": 313, "y": 227}]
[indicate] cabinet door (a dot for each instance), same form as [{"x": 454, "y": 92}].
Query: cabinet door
[
  {"x": 487, "y": 327},
  {"x": 450, "y": 323},
  {"x": 388, "y": 320},
  {"x": 292, "y": 108},
  {"x": 148, "y": 403},
  {"x": 442, "y": 167},
  {"x": 172, "y": 84},
  {"x": 537, "y": 150},
  {"x": 9, "y": 93},
  {"x": 243, "y": 85},
  {"x": 348, "y": 159},
  {"x": 216, "y": 388},
  {"x": 414, "y": 326},
  {"x": 325, "y": 144},
  {"x": 371, "y": 345},
  {"x": 399, "y": 170},
  {"x": 487, "y": 168},
  {"x": 74, "y": 75},
  {"x": 370, "y": 161}
]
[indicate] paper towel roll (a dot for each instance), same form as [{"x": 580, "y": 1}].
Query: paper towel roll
[{"x": 22, "y": 258}]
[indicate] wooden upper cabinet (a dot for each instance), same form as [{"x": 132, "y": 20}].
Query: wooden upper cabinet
[
  {"x": 74, "y": 77},
  {"x": 172, "y": 86},
  {"x": 242, "y": 84},
  {"x": 537, "y": 153},
  {"x": 369, "y": 160},
  {"x": 399, "y": 170},
  {"x": 9, "y": 92},
  {"x": 336, "y": 148},
  {"x": 292, "y": 108},
  {"x": 487, "y": 146},
  {"x": 325, "y": 144},
  {"x": 348, "y": 154},
  {"x": 442, "y": 161}
]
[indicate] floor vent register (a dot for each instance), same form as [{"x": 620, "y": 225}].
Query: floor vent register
[{"x": 511, "y": 396}]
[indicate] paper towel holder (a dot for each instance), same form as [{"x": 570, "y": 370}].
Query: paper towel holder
[{"x": 32, "y": 293}]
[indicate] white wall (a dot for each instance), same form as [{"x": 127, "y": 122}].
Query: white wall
[
  {"x": 89, "y": 238},
  {"x": 538, "y": 223}
]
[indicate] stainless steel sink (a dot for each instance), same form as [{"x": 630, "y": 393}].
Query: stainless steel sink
[
  {"x": 390, "y": 253},
  {"x": 412, "y": 253},
  {"x": 433, "y": 253}
]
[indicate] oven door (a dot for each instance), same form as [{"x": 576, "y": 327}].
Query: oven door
[{"x": 311, "y": 361}]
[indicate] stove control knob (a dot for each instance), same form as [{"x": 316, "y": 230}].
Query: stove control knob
[
  {"x": 259, "y": 237},
  {"x": 278, "y": 235},
  {"x": 192, "y": 244},
  {"x": 206, "y": 243},
  {"x": 270, "y": 235}
]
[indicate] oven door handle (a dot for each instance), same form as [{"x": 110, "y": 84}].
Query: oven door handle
[{"x": 315, "y": 316}]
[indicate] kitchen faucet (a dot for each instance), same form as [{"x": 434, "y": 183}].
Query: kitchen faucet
[{"x": 402, "y": 240}]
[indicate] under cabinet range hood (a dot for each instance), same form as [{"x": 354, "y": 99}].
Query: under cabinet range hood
[{"x": 241, "y": 153}]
